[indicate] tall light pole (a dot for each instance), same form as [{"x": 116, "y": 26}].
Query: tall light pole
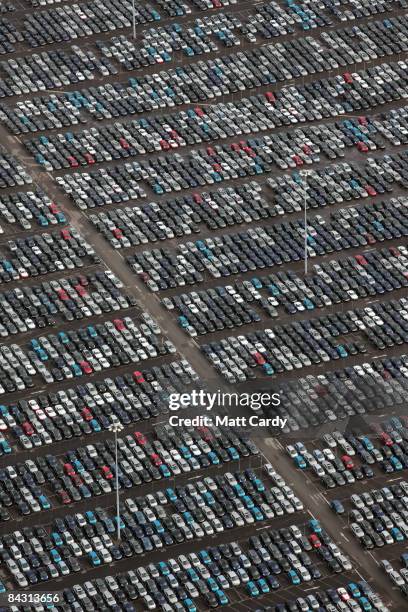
[
  {"x": 134, "y": 19},
  {"x": 116, "y": 427},
  {"x": 304, "y": 174}
]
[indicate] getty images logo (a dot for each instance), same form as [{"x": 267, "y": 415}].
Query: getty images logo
[{"x": 207, "y": 401}]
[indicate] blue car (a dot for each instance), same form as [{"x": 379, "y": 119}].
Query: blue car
[
  {"x": 397, "y": 534},
  {"x": 337, "y": 506},
  {"x": 5, "y": 447},
  {"x": 300, "y": 462},
  {"x": 257, "y": 514},
  {"x": 44, "y": 502},
  {"x": 252, "y": 589},
  {"x": 57, "y": 538},
  {"x": 94, "y": 559},
  {"x": 293, "y": 577},
  {"x": 233, "y": 453},
  {"x": 268, "y": 369},
  {"x": 189, "y": 605},
  {"x": 315, "y": 526},
  {"x": 171, "y": 495},
  {"x": 353, "y": 589},
  {"x": 90, "y": 517},
  {"x": 213, "y": 457},
  {"x": 56, "y": 557},
  {"x": 205, "y": 557},
  {"x": 221, "y": 597},
  {"x": 263, "y": 586},
  {"x": 163, "y": 568},
  {"x": 165, "y": 472}
]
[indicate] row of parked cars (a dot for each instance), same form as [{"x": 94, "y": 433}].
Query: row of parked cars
[
  {"x": 227, "y": 206},
  {"x": 269, "y": 246},
  {"x": 359, "y": 454},
  {"x": 286, "y": 60},
  {"x": 40, "y": 254},
  {"x": 82, "y": 352},
  {"x": 89, "y": 471},
  {"x": 356, "y": 596},
  {"x": 90, "y": 408},
  {"x": 21, "y": 209},
  {"x": 67, "y": 299},
  {"x": 154, "y": 522},
  {"x": 12, "y": 172},
  {"x": 98, "y": 347},
  {"x": 50, "y": 70},
  {"x": 178, "y": 217},
  {"x": 69, "y": 22},
  {"x": 296, "y": 345},
  {"x": 9, "y": 36},
  {"x": 290, "y": 105},
  {"x": 335, "y": 282},
  {"x": 374, "y": 386},
  {"x": 397, "y": 573},
  {"x": 195, "y": 126},
  {"x": 163, "y": 43},
  {"x": 379, "y": 517},
  {"x": 254, "y": 156},
  {"x": 337, "y": 183}
]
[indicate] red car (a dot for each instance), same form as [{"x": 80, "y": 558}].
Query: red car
[
  {"x": 65, "y": 498},
  {"x": 197, "y": 198},
  {"x": 314, "y": 540},
  {"x": 156, "y": 460},
  {"x": 361, "y": 260},
  {"x": 89, "y": 159},
  {"x": 249, "y": 151},
  {"x": 83, "y": 280},
  {"x": 69, "y": 470},
  {"x": 386, "y": 439},
  {"x": 217, "y": 167},
  {"x": 199, "y": 111},
  {"x": 270, "y": 96},
  {"x": 210, "y": 151},
  {"x": 138, "y": 376},
  {"x": 119, "y": 324},
  {"x": 77, "y": 480},
  {"x": 347, "y": 78},
  {"x": 370, "y": 190},
  {"x": 65, "y": 234},
  {"x": 87, "y": 414},
  {"x": 234, "y": 146},
  {"x": 140, "y": 438},
  {"x": 124, "y": 143},
  {"x": 362, "y": 147},
  {"x": 259, "y": 358},
  {"x": 85, "y": 367},
  {"x": 348, "y": 462},
  {"x": 62, "y": 294},
  {"x": 28, "y": 428},
  {"x": 164, "y": 145},
  {"x": 106, "y": 472},
  {"x": 362, "y": 120},
  {"x": 205, "y": 433},
  {"x": 80, "y": 290},
  {"x": 117, "y": 232},
  {"x": 298, "y": 160},
  {"x": 53, "y": 208},
  {"x": 72, "y": 162}
]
